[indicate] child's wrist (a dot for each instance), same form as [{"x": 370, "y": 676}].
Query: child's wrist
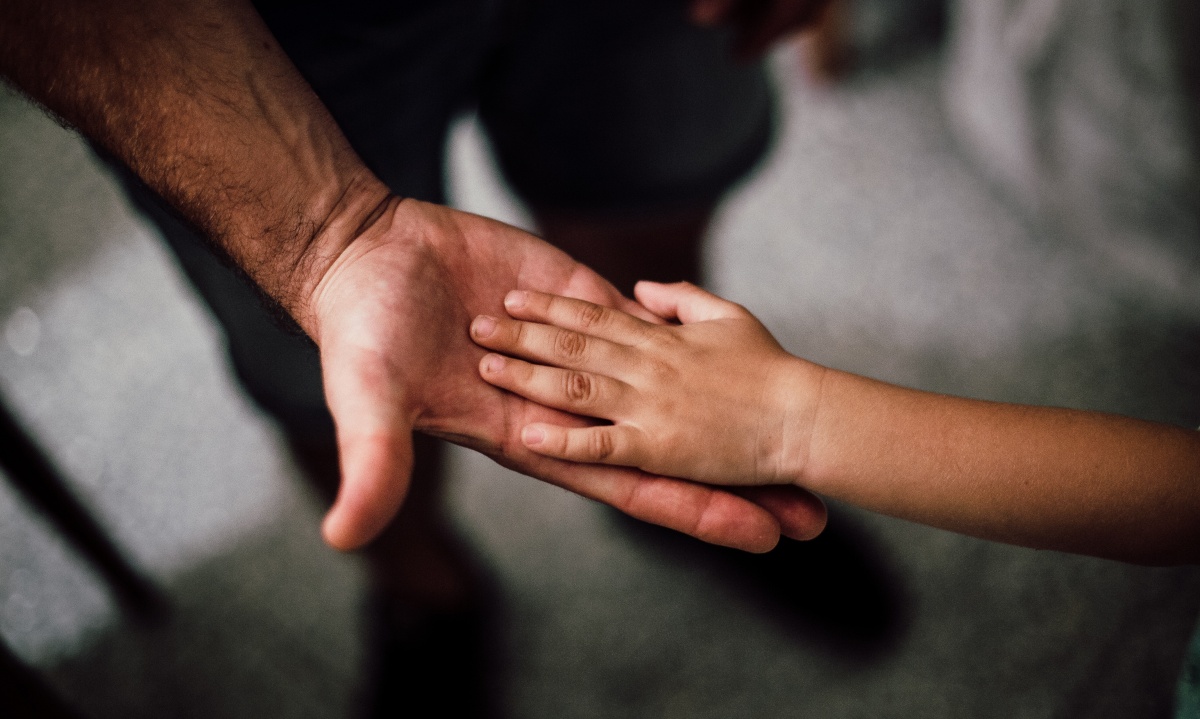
[{"x": 797, "y": 391}]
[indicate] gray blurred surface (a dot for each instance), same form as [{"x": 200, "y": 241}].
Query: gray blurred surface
[{"x": 866, "y": 243}]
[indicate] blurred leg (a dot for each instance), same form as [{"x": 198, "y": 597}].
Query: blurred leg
[
  {"x": 622, "y": 126},
  {"x": 664, "y": 247},
  {"x": 25, "y": 693}
]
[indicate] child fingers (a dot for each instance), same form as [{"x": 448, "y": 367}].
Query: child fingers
[
  {"x": 611, "y": 444},
  {"x": 573, "y": 391},
  {"x": 547, "y": 344},
  {"x": 685, "y": 302},
  {"x": 578, "y": 315}
]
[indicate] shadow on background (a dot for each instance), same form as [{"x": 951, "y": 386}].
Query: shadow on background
[
  {"x": 242, "y": 641},
  {"x": 837, "y": 591}
]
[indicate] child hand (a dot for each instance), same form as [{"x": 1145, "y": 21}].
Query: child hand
[{"x": 714, "y": 399}]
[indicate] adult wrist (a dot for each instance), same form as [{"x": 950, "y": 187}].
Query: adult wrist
[{"x": 350, "y": 213}]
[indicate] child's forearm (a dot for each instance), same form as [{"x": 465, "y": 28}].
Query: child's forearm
[
  {"x": 717, "y": 400},
  {"x": 1049, "y": 478}
]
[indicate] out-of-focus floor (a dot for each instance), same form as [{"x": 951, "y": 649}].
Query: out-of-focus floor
[{"x": 865, "y": 243}]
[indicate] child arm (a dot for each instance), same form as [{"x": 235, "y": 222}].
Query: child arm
[{"x": 716, "y": 400}]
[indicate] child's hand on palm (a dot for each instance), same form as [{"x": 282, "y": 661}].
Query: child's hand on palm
[{"x": 714, "y": 399}]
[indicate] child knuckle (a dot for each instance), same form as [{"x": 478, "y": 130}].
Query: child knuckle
[
  {"x": 570, "y": 346},
  {"x": 520, "y": 334},
  {"x": 659, "y": 370},
  {"x": 579, "y": 387},
  {"x": 591, "y": 316},
  {"x": 661, "y": 341},
  {"x": 600, "y": 445}
]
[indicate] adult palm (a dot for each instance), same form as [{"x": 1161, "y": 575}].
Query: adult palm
[{"x": 392, "y": 316}]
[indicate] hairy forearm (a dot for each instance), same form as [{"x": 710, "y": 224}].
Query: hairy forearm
[
  {"x": 199, "y": 100},
  {"x": 1048, "y": 478}
]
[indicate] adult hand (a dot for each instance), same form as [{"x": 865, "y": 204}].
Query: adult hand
[
  {"x": 223, "y": 127},
  {"x": 759, "y": 23},
  {"x": 391, "y": 317}
]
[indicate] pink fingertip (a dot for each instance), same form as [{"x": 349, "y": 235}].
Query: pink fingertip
[
  {"x": 532, "y": 436},
  {"x": 493, "y": 363},
  {"x": 516, "y": 299},
  {"x": 483, "y": 326}
]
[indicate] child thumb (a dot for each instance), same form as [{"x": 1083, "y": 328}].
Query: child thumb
[{"x": 685, "y": 302}]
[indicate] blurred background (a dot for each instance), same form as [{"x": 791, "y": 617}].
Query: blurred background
[{"x": 994, "y": 199}]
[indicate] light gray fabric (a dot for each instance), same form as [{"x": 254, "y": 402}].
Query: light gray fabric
[{"x": 1081, "y": 112}]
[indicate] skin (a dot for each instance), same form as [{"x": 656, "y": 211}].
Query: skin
[
  {"x": 716, "y": 399},
  {"x": 200, "y": 101}
]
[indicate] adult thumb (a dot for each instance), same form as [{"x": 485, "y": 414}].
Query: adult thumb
[{"x": 374, "y": 440}]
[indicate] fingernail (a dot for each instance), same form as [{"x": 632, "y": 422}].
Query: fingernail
[
  {"x": 493, "y": 363},
  {"x": 533, "y": 435},
  {"x": 483, "y": 326},
  {"x": 516, "y": 299}
]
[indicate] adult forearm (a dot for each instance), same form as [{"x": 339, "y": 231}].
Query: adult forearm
[
  {"x": 199, "y": 100},
  {"x": 1082, "y": 482}
]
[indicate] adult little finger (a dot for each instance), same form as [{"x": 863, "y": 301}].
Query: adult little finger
[{"x": 610, "y": 444}]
